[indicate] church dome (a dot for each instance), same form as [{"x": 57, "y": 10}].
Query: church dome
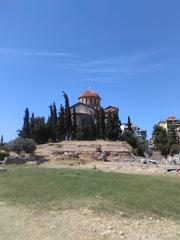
[
  {"x": 88, "y": 94},
  {"x": 90, "y": 98}
]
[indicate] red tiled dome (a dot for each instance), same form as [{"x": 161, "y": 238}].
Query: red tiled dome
[{"x": 89, "y": 93}]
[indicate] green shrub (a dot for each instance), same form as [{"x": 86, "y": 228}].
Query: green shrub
[
  {"x": 175, "y": 149},
  {"x": 21, "y": 146},
  {"x": 3, "y": 154},
  {"x": 29, "y": 146}
]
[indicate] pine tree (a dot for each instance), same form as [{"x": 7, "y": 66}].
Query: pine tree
[
  {"x": 161, "y": 140},
  {"x": 68, "y": 122},
  {"x": 173, "y": 142},
  {"x": 26, "y": 126},
  {"x": 40, "y": 131},
  {"x": 172, "y": 137},
  {"x": 129, "y": 137}
]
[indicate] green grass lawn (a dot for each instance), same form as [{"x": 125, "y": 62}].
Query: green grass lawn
[{"x": 135, "y": 195}]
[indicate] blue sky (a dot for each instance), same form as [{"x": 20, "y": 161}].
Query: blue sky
[{"x": 127, "y": 51}]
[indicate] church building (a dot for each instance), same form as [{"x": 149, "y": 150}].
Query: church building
[{"x": 88, "y": 103}]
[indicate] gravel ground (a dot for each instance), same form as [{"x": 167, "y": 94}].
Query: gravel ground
[{"x": 17, "y": 223}]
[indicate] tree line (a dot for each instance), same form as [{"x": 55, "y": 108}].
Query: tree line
[
  {"x": 166, "y": 142},
  {"x": 62, "y": 125}
]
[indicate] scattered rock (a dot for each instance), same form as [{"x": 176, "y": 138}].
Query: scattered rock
[
  {"x": 123, "y": 157},
  {"x": 110, "y": 228},
  {"x": 70, "y": 155},
  {"x": 121, "y": 233},
  {"x": 22, "y": 160},
  {"x": 51, "y": 144},
  {"x": 99, "y": 156},
  {"x": 76, "y": 164},
  {"x": 122, "y": 237},
  {"x": 52, "y": 227},
  {"x": 121, "y": 213},
  {"x": 3, "y": 169},
  {"x": 107, "y": 232},
  {"x": 14, "y": 160}
]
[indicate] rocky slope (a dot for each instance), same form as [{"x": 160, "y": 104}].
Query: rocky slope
[{"x": 86, "y": 150}]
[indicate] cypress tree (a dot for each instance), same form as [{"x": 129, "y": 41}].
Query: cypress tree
[
  {"x": 2, "y": 141},
  {"x": 74, "y": 124},
  {"x": 54, "y": 112},
  {"x": 97, "y": 124},
  {"x": 102, "y": 124},
  {"x": 52, "y": 122},
  {"x": 117, "y": 124},
  {"x": 129, "y": 125},
  {"x": 68, "y": 122},
  {"x": 60, "y": 127},
  {"x": 92, "y": 128},
  {"x": 49, "y": 123},
  {"x": 32, "y": 124},
  {"x": 26, "y": 125},
  {"x": 82, "y": 130},
  {"x": 110, "y": 127}
]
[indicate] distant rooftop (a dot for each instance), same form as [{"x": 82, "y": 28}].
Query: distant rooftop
[{"x": 89, "y": 93}]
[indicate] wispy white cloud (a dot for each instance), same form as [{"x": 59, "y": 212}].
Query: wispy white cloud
[
  {"x": 120, "y": 66},
  {"x": 20, "y": 52},
  {"x": 122, "y": 74},
  {"x": 108, "y": 69},
  {"x": 123, "y": 60}
]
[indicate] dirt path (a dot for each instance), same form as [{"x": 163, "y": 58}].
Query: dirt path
[
  {"x": 18, "y": 223},
  {"x": 119, "y": 167}
]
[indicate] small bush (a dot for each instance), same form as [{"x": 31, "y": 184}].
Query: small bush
[
  {"x": 21, "y": 146},
  {"x": 29, "y": 146},
  {"x": 3, "y": 154}
]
